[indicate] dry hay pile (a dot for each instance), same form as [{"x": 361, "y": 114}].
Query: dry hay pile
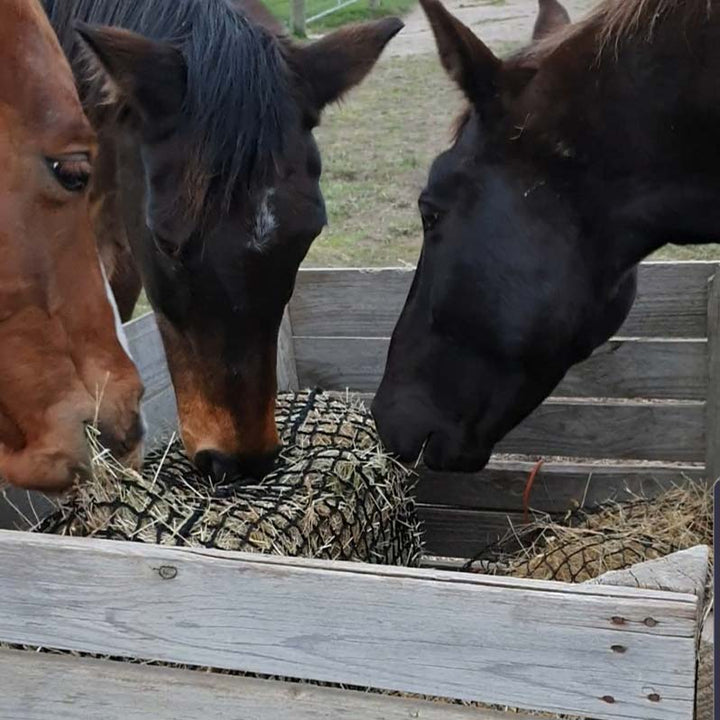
[
  {"x": 587, "y": 543},
  {"x": 334, "y": 495}
]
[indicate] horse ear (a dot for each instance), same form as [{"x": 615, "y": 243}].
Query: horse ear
[
  {"x": 467, "y": 60},
  {"x": 340, "y": 60},
  {"x": 150, "y": 76},
  {"x": 551, "y": 16}
]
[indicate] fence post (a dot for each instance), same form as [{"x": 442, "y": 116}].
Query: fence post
[
  {"x": 712, "y": 404},
  {"x": 298, "y": 17}
]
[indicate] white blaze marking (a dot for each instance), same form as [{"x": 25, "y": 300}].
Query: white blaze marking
[{"x": 265, "y": 221}]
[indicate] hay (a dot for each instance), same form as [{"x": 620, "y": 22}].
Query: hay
[
  {"x": 587, "y": 543},
  {"x": 334, "y": 495}
]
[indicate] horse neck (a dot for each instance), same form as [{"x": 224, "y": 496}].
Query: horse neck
[{"x": 643, "y": 119}]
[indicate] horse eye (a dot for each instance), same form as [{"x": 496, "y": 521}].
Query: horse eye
[
  {"x": 166, "y": 246},
  {"x": 71, "y": 171},
  {"x": 430, "y": 216}
]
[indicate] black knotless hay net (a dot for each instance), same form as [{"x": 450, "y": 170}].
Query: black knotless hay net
[
  {"x": 586, "y": 543},
  {"x": 333, "y": 495}
]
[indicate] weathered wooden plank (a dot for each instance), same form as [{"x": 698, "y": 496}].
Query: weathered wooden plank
[
  {"x": 408, "y": 630},
  {"x": 663, "y": 430},
  {"x": 712, "y": 458},
  {"x": 350, "y": 303},
  {"x": 704, "y": 699},
  {"x": 659, "y": 430},
  {"x": 558, "y": 486},
  {"x": 37, "y": 686},
  {"x": 684, "y": 571},
  {"x": 622, "y": 368},
  {"x": 160, "y": 412},
  {"x": 158, "y": 405},
  {"x": 287, "y": 376},
  {"x": 146, "y": 348},
  {"x": 450, "y": 532},
  {"x": 671, "y": 301}
]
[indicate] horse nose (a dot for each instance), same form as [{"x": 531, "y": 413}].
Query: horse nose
[
  {"x": 401, "y": 428},
  {"x": 227, "y": 468},
  {"x": 126, "y": 444}
]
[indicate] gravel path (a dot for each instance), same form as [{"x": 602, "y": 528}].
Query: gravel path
[{"x": 499, "y": 23}]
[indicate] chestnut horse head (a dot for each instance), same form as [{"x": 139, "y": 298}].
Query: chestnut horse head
[
  {"x": 62, "y": 365},
  {"x": 576, "y": 158},
  {"x": 214, "y": 110}
]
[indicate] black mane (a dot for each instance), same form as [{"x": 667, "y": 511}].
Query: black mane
[{"x": 238, "y": 91}]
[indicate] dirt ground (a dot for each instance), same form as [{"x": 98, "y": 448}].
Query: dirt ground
[
  {"x": 497, "y": 22},
  {"x": 377, "y": 146}
]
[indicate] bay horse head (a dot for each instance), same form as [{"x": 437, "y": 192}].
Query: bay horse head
[
  {"x": 216, "y": 111},
  {"x": 62, "y": 365},
  {"x": 576, "y": 158}
]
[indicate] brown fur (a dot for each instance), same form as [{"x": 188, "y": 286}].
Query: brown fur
[{"x": 61, "y": 364}]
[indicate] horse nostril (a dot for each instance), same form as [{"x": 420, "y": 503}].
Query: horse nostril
[
  {"x": 230, "y": 468},
  {"x": 136, "y": 433},
  {"x": 122, "y": 445},
  {"x": 215, "y": 465}
]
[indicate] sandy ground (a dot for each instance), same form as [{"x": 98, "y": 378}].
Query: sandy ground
[{"x": 499, "y": 23}]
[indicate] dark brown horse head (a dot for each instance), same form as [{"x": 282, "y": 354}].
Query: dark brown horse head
[
  {"x": 62, "y": 365},
  {"x": 216, "y": 114},
  {"x": 576, "y": 158}
]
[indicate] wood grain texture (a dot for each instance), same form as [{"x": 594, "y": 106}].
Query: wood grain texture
[
  {"x": 287, "y": 376},
  {"x": 448, "y": 532},
  {"x": 596, "y": 428},
  {"x": 146, "y": 347},
  {"x": 671, "y": 301},
  {"x": 559, "y": 486},
  {"x": 622, "y": 368},
  {"x": 705, "y": 697},
  {"x": 670, "y": 431},
  {"x": 39, "y": 686},
  {"x": 685, "y": 571},
  {"x": 412, "y": 630},
  {"x": 712, "y": 459}
]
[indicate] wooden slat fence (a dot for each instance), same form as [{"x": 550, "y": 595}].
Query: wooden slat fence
[
  {"x": 639, "y": 415},
  {"x": 588, "y": 650}
]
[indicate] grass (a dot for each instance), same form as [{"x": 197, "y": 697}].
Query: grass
[
  {"x": 356, "y": 12},
  {"x": 377, "y": 147}
]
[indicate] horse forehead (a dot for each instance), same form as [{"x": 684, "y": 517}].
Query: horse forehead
[{"x": 35, "y": 77}]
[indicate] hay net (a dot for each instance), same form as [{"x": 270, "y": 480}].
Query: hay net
[
  {"x": 333, "y": 495},
  {"x": 589, "y": 542}
]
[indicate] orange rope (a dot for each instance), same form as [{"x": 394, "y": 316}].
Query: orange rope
[{"x": 528, "y": 490}]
